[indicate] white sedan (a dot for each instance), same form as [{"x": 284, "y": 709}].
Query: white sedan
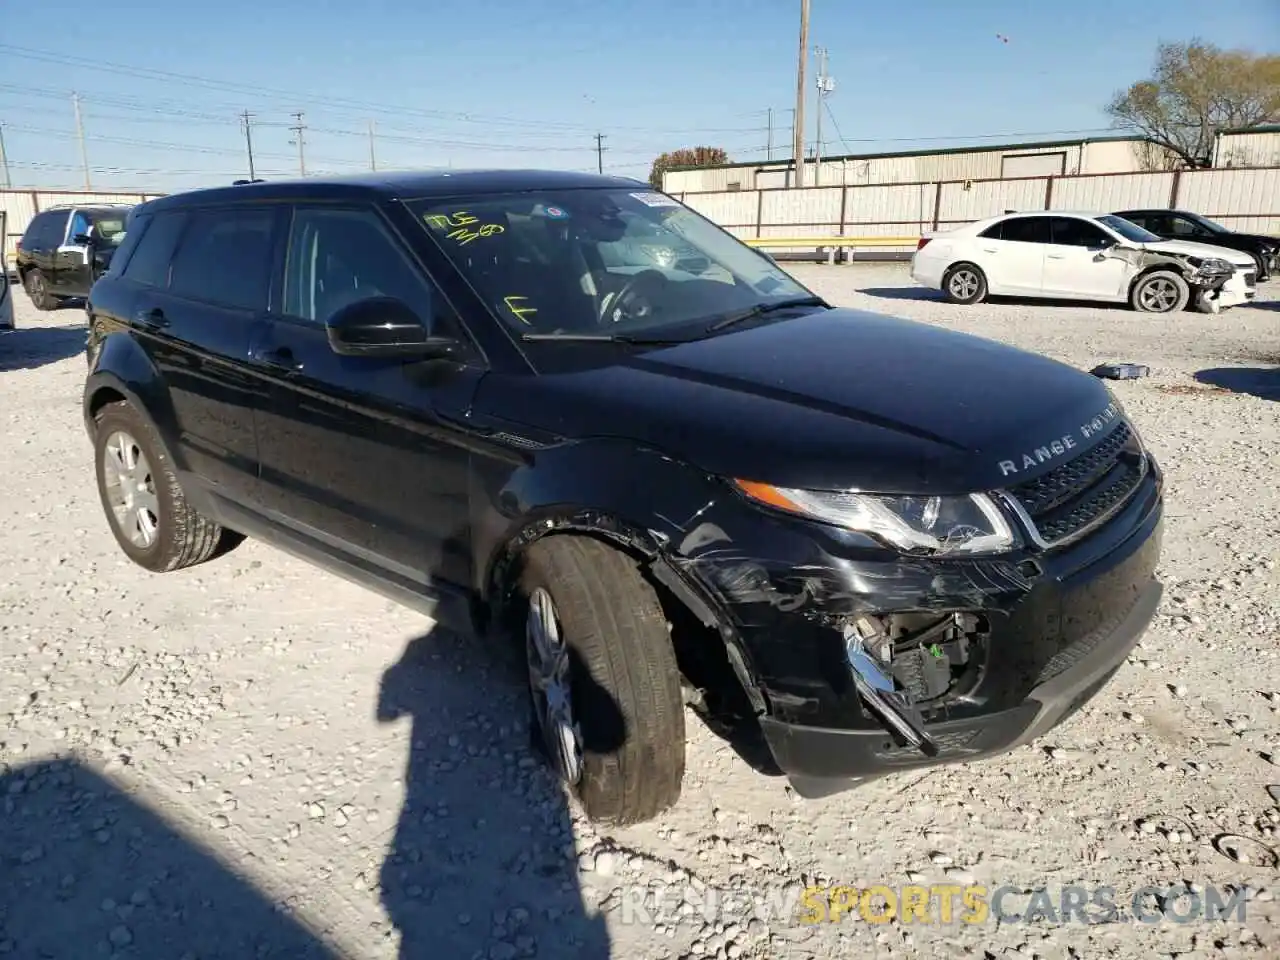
[{"x": 1065, "y": 255}]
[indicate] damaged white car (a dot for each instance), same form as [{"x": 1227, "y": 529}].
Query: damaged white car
[{"x": 1065, "y": 255}]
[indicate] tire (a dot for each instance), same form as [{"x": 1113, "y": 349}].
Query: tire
[
  {"x": 1261, "y": 273},
  {"x": 965, "y": 283},
  {"x": 1161, "y": 291},
  {"x": 37, "y": 288},
  {"x": 627, "y": 709},
  {"x": 157, "y": 528}
]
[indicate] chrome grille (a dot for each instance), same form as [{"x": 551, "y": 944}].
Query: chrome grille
[{"x": 1070, "y": 500}]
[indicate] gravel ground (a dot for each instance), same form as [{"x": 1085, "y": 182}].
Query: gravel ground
[{"x": 253, "y": 758}]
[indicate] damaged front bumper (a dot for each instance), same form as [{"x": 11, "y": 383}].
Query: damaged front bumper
[{"x": 980, "y": 655}]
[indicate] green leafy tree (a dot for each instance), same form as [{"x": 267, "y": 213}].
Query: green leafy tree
[
  {"x": 1195, "y": 90},
  {"x": 685, "y": 157}
]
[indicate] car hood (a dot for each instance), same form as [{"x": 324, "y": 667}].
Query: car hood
[
  {"x": 1190, "y": 248},
  {"x": 836, "y": 399}
]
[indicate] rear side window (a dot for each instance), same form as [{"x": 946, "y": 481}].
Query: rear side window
[
  {"x": 149, "y": 263},
  {"x": 44, "y": 230},
  {"x": 225, "y": 257},
  {"x": 1026, "y": 230}
]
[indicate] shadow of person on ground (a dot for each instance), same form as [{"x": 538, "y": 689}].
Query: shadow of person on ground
[
  {"x": 483, "y": 862},
  {"x": 1257, "y": 381},
  {"x": 88, "y": 871},
  {"x": 27, "y": 348}
]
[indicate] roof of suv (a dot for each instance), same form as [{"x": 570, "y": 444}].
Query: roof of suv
[{"x": 397, "y": 186}]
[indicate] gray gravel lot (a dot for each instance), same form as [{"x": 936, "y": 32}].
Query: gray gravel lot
[{"x": 253, "y": 758}]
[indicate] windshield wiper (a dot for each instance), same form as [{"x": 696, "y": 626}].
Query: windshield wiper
[
  {"x": 761, "y": 309},
  {"x": 599, "y": 338}
]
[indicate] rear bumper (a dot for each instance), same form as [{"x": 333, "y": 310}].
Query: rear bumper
[{"x": 814, "y": 753}]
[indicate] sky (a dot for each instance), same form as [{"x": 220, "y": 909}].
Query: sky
[{"x": 530, "y": 83}]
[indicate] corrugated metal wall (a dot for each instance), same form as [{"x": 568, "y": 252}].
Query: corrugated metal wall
[
  {"x": 21, "y": 205},
  {"x": 1243, "y": 199},
  {"x": 1249, "y": 150}
]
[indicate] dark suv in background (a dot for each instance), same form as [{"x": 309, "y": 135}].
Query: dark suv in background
[
  {"x": 672, "y": 480},
  {"x": 1184, "y": 225},
  {"x": 65, "y": 249}
]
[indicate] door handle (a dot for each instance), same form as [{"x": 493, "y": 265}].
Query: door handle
[
  {"x": 280, "y": 359},
  {"x": 1054, "y": 256},
  {"x": 989, "y": 250},
  {"x": 153, "y": 318}
]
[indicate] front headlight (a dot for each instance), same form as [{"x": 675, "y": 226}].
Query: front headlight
[{"x": 941, "y": 526}]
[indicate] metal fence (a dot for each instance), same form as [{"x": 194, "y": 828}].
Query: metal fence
[
  {"x": 21, "y": 205},
  {"x": 1239, "y": 198}
]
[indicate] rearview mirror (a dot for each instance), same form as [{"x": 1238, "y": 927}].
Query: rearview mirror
[{"x": 385, "y": 327}]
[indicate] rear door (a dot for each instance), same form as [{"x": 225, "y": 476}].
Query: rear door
[
  {"x": 71, "y": 268},
  {"x": 1012, "y": 254},
  {"x": 1074, "y": 264},
  {"x": 362, "y": 454},
  {"x": 194, "y": 314}
]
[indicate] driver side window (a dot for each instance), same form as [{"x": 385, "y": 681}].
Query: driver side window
[{"x": 338, "y": 256}]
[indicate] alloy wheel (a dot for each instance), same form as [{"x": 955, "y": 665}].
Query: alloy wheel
[
  {"x": 549, "y": 680},
  {"x": 130, "y": 490}
]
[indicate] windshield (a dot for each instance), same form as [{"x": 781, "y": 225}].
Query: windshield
[
  {"x": 1128, "y": 230},
  {"x": 1209, "y": 224},
  {"x": 109, "y": 231},
  {"x": 600, "y": 261}
]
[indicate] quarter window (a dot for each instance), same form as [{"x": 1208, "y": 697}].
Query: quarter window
[
  {"x": 225, "y": 258},
  {"x": 338, "y": 256}
]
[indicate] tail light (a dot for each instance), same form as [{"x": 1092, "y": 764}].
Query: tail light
[{"x": 922, "y": 241}]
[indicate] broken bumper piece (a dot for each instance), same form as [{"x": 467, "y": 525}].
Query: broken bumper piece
[{"x": 819, "y": 762}]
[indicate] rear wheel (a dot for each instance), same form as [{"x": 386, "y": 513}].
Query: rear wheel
[
  {"x": 965, "y": 283},
  {"x": 149, "y": 515},
  {"x": 37, "y": 287},
  {"x": 1161, "y": 291},
  {"x": 604, "y": 685}
]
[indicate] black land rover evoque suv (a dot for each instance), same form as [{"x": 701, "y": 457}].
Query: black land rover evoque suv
[{"x": 679, "y": 479}]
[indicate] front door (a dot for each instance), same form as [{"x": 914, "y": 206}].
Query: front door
[
  {"x": 71, "y": 268},
  {"x": 363, "y": 454},
  {"x": 193, "y": 311},
  {"x": 1075, "y": 264}
]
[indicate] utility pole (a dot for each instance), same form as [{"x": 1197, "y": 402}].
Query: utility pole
[
  {"x": 769, "y": 142},
  {"x": 297, "y": 129},
  {"x": 4, "y": 163},
  {"x": 247, "y": 117},
  {"x": 798, "y": 126},
  {"x": 600, "y": 153},
  {"x": 373, "y": 158},
  {"x": 84, "y": 150},
  {"x": 825, "y": 86}
]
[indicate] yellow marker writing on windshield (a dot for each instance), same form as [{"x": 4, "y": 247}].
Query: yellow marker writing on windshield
[
  {"x": 514, "y": 302},
  {"x": 460, "y": 225}
]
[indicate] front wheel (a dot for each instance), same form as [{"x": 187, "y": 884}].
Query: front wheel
[
  {"x": 608, "y": 712},
  {"x": 965, "y": 283},
  {"x": 1162, "y": 291}
]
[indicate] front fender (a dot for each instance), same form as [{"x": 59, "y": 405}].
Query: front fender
[
  {"x": 122, "y": 370},
  {"x": 644, "y": 500}
]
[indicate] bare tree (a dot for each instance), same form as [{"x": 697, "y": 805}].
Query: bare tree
[
  {"x": 685, "y": 157},
  {"x": 1196, "y": 90}
]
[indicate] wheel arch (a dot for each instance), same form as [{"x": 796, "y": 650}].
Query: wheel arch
[
  {"x": 565, "y": 509},
  {"x": 122, "y": 372}
]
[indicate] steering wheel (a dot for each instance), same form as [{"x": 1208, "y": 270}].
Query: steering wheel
[{"x": 615, "y": 309}]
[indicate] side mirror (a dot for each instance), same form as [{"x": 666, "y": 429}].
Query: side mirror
[
  {"x": 83, "y": 239},
  {"x": 385, "y": 327}
]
